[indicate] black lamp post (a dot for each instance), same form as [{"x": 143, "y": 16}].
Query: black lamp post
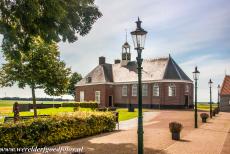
[
  {"x": 218, "y": 98},
  {"x": 138, "y": 37},
  {"x": 196, "y": 77},
  {"x": 210, "y": 86}
]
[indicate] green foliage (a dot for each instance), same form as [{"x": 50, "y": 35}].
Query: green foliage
[
  {"x": 58, "y": 129},
  {"x": 52, "y": 20},
  {"x": 75, "y": 77},
  {"x": 40, "y": 68},
  {"x": 81, "y": 105}
]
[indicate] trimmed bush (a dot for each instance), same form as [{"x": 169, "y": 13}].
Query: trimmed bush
[
  {"x": 57, "y": 129},
  {"x": 213, "y": 113},
  {"x": 103, "y": 109},
  {"x": 112, "y": 108},
  {"x": 204, "y": 117},
  {"x": 70, "y": 105},
  {"x": 82, "y": 105},
  {"x": 216, "y": 110},
  {"x": 175, "y": 127}
]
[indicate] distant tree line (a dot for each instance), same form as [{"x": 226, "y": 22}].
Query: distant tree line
[{"x": 38, "y": 99}]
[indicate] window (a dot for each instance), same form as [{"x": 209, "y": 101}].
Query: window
[
  {"x": 172, "y": 89},
  {"x": 156, "y": 90},
  {"x": 186, "y": 88},
  {"x": 134, "y": 90},
  {"x": 89, "y": 79},
  {"x": 144, "y": 90},
  {"x": 124, "y": 90},
  {"x": 97, "y": 96},
  {"x": 82, "y": 96}
]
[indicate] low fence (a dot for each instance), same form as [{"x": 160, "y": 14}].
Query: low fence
[{"x": 28, "y": 107}]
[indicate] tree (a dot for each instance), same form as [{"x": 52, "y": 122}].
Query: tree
[
  {"x": 75, "y": 77},
  {"x": 41, "y": 67},
  {"x": 52, "y": 20}
]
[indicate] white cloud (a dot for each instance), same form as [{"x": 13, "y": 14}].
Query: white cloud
[{"x": 193, "y": 31}]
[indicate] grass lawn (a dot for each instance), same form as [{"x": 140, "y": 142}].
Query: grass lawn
[
  {"x": 125, "y": 115},
  {"x": 123, "y": 112},
  {"x": 205, "y": 107},
  {"x": 6, "y": 110}
]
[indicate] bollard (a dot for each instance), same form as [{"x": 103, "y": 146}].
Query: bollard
[{"x": 16, "y": 112}]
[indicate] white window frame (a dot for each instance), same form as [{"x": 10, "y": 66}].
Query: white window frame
[
  {"x": 98, "y": 97},
  {"x": 187, "y": 88},
  {"x": 172, "y": 90},
  {"x": 124, "y": 90},
  {"x": 134, "y": 90},
  {"x": 144, "y": 89},
  {"x": 82, "y": 96},
  {"x": 156, "y": 89}
]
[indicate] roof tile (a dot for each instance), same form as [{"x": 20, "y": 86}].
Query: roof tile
[{"x": 225, "y": 89}]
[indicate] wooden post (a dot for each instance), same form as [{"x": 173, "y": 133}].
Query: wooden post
[{"x": 16, "y": 112}]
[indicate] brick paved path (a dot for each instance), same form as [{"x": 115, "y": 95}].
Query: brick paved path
[
  {"x": 156, "y": 136},
  {"x": 209, "y": 138}
]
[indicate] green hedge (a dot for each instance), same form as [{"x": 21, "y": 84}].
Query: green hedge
[
  {"x": 55, "y": 130},
  {"x": 83, "y": 105}
]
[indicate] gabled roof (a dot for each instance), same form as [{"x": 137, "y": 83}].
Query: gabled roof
[
  {"x": 225, "y": 88},
  {"x": 173, "y": 71},
  {"x": 153, "y": 70}
]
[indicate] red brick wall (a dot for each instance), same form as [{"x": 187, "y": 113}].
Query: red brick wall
[
  {"x": 116, "y": 92},
  {"x": 89, "y": 93}
]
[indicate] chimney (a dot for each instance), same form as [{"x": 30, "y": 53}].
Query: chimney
[
  {"x": 101, "y": 60},
  {"x": 117, "y": 61}
]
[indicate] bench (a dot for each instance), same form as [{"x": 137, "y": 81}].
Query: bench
[{"x": 10, "y": 119}]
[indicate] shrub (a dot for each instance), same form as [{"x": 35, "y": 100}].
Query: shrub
[
  {"x": 112, "y": 108},
  {"x": 213, "y": 113},
  {"x": 216, "y": 110},
  {"x": 91, "y": 105},
  {"x": 102, "y": 109},
  {"x": 76, "y": 109},
  {"x": 204, "y": 115},
  {"x": 175, "y": 127},
  {"x": 55, "y": 130},
  {"x": 88, "y": 105}
]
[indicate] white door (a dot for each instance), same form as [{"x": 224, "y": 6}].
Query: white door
[
  {"x": 82, "y": 96},
  {"x": 97, "y": 96}
]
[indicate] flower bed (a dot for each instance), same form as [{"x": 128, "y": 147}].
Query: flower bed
[{"x": 55, "y": 130}]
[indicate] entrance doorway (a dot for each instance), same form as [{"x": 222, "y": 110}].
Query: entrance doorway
[
  {"x": 186, "y": 101},
  {"x": 110, "y": 101}
]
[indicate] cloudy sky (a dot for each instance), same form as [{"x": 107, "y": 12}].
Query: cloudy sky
[{"x": 194, "y": 32}]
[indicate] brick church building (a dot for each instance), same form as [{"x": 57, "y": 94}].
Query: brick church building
[
  {"x": 225, "y": 95},
  {"x": 164, "y": 84}
]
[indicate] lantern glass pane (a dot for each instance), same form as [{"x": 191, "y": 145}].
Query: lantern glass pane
[{"x": 134, "y": 41}]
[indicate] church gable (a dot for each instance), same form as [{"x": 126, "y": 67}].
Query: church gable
[{"x": 174, "y": 72}]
